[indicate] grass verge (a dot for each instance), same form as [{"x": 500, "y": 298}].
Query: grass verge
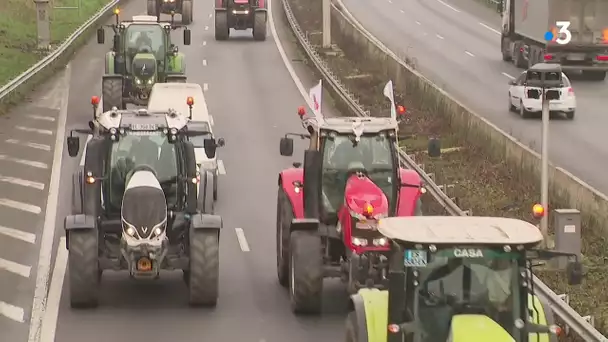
[{"x": 482, "y": 185}]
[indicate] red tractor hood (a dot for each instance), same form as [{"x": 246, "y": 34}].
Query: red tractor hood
[{"x": 361, "y": 191}]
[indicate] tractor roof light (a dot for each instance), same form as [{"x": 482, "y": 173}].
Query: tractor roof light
[
  {"x": 368, "y": 210},
  {"x": 401, "y": 110},
  {"x": 95, "y": 100},
  {"x": 190, "y": 101},
  {"x": 301, "y": 111},
  {"x": 117, "y": 11},
  {"x": 538, "y": 211}
]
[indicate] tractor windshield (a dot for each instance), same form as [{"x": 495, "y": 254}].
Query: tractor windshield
[
  {"x": 373, "y": 152},
  {"x": 142, "y": 37},
  {"x": 152, "y": 149},
  {"x": 466, "y": 281}
]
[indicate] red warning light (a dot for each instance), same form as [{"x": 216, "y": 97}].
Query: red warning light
[
  {"x": 190, "y": 101},
  {"x": 94, "y": 100},
  {"x": 401, "y": 110},
  {"x": 301, "y": 111},
  {"x": 538, "y": 211}
]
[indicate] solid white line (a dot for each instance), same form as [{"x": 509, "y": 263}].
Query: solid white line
[
  {"x": 13, "y": 312},
  {"x": 17, "y": 234},
  {"x": 35, "y": 130},
  {"x": 49, "y": 324},
  {"x": 240, "y": 235},
  {"x": 14, "y": 267},
  {"x": 220, "y": 167},
  {"x": 40, "y": 117},
  {"x": 50, "y": 218},
  {"x": 204, "y": 62},
  {"x": 205, "y": 87},
  {"x": 489, "y": 28},
  {"x": 470, "y": 54},
  {"x": 84, "y": 150},
  {"x": 211, "y": 122},
  {"x": 440, "y": 37},
  {"x": 20, "y": 206},
  {"x": 448, "y": 6},
  {"x": 29, "y": 144},
  {"x": 507, "y": 75},
  {"x": 22, "y": 182},
  {"x": 24, "y": 162}
]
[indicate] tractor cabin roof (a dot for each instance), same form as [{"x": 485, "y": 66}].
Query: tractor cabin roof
[
  {"x": 345, "y": 124},
  {"x": 460, "y": 230}
]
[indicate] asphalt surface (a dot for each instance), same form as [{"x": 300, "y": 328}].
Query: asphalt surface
[
  {"x": 253, "y": 100},
  {"x": 456, "y": 44},
  {"x": 27, "y": 140}
]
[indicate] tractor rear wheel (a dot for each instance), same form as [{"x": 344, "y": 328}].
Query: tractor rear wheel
[
  {"x": 152, "y": 9},
  {"x": 77, "y": 192},
  {"x": 187, "y": 12},
  {"x": 305, "y": 272},
  {"x": 284, "y": 217},
  {"x": 205, "y": 202},
  {"x": 203, "y": 275},
  {"x": 83, "y": 268},
  {"x": 259, "y": 26},
  {"x": 222, "y": 31},
  {"x": 111, "y": 90}
]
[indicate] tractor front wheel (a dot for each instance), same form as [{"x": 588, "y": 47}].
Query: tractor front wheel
[
  {"x": 222, "y": 31},
  {"x": 259, "y": 26},
  {"x": 83, "y": 268},
  {"x": 111, "y": 90},
  {"x": 305, "y": 272},
  {"x": 203, "y": 275},
  {"x": 284, "y": 217}
]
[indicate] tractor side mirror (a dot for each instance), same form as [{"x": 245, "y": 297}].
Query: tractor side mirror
[
  {"x": 286, "y": 147},
  {"x": 73, "y": 146},
  {"x": 221, "y": 142},
  {"x": 187, "y": 36},
  {"x": 116, "y": 43},
  {"x": 574, "y": 269},
  {"x": 434, "y": 148},
  {"x": 210, "y": 147},
  {"x": 101, "y": 36}
]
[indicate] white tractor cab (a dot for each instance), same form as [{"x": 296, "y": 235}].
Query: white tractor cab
[{"x": 172, "y": 95}]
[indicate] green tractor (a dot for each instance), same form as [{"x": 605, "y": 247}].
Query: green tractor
[
  {"x": 142, "y": 54},
  {"x": 458, "y": 279}
]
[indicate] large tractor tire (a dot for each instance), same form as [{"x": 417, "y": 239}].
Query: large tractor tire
[
  {"x": 83, "y": 263},
  {"x": 203, "y": 276},
  {"x": 77, "y": 207},
  {"x": 151, "y": 8},
  {"x": 305, "y": 272},
  {"x": 215, "y": 180},
  {"x": 187, "y": 12},
  {"x": 205, "y": 201},
  {"x": 284, "y": 218},
  {"x": 111, "y": 90},
  {"x": 222, "y": 31},
  {"x": 259, "y": 26}
]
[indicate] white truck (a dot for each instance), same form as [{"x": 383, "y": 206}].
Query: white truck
[
  {"x": 189, "y": 99},
  {"x": 583, "y": 24}
]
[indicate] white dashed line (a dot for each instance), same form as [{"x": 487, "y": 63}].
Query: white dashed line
[
  {"x": 448, "y": 6},
  {"x": 17, "y": 234},
  {"x": 438, "y": 36},
  {"x": 10, "y": 311},
  {"x": 470, "y": 54},
  {"x": 22, "y": 182},
  {"x": 390, "y": 1},
  {"x": 204, "y": 62},
  {"x": 418, "y": 23},
  {"x": 205, "y": 87},
  {"x": 206, "y": 28},
  {"x": 507, "y": 75},
  {"x": 35, "y": 130},
  {"x": 221, "y": 169},
  {"x": 204, "y": 43},
  {"x": 20, "y": 206},
  {"x": 240, "y": 235},
  {"x": 210, "y": 15},
  {"x": 489, "y": 28},
  {"x": 14, "y": 267},
  {"x": 402, "y": 11},
  {"x": 40, "y": 117},
  {"x": 29, "y": 144},
  {"x": 25, "y": 162}
]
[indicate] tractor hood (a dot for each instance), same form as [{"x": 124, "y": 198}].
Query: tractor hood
[
  {"x": 144, "y": 65},
  {"x": 477, "y": 328},
  {"x": 144, "y": 207},
  {"x": 360, "y": 192}
]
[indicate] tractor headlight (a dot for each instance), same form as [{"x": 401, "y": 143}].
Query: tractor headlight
[
  {"x": 137, "y": 81},
  {"x": 150, "y": 81},
  {"x": 359, "y": 242},
  {"x": 158, "y": 230},
  {"x": 129, "y": 229},
  {"x": 380, "y": 242}
]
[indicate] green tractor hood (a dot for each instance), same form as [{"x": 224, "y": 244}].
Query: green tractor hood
[{"x": 144, "y": 69}]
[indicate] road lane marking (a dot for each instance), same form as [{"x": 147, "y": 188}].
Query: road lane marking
[
  {"x": 448, "y": 6},
  {"x": 204, "y": 43},
  {"x": 49, "y": 324},
  {"x": 470, "y": 54},
  {"x": 507, "y": 75},
  {"x": 206, "y": 28},
  {"x": 489, "y": 28},
  {"x": 418, "y": 23},
  {"x": 210, "y": 15},
  {"x": 39, "y": 304},
  {"x": 34, "y": 130},
  {"x": 402, "y": 11},
  {"x": 32, "y": 163},
  {"x": 22, "y": 182},
  {"x": 240, "y": 235},
  {"x": 18, "y": 234},
  {"x": 440, "y": 37},
  {"x": 14, "y": 267},
  {"x": 20, "y": 206},
  {"x": 84, "y": 150},
  {"x": 29, "y": 144},
  {"x": 220, "y": 167},
  {"x": 12, "y": 312},
  {"x": 204, "y": 62},
  {"x": 205, "y": 87},
  {"x": 41, "y": 117},
  {"x": 211, "y": 120}
]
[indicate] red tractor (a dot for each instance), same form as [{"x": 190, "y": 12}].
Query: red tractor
[
  {"x": 240, "y": 15},
  {"x": 328, "y": 209}
]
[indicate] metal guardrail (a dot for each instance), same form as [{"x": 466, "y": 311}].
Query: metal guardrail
[
  {"x": 58, "y": 52},
  {"x": 561, "y": 309}
]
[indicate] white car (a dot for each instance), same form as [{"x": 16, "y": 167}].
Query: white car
[{"x": 519, "y": 101}]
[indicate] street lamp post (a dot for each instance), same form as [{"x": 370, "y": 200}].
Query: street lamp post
[{"x": 547, "y": 77}]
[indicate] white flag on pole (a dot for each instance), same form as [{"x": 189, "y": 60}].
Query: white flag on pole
[
  {"x": 388, "y": 92},
  {"x": 315, "y": 93}
]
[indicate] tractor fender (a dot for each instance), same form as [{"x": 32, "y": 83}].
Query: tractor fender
[
  {"x": 177, "y": 64},
  {"x": 205, "y": 221},
  {"x": 77, "y": 222},
  {"x": 286, "y": 180},
  {"x": 262, "y": 5},
  {"x": 371, "y": 308},
  {"x": 408, "y": 196},
  {"x": 543, "y": 315},
  {"x": 109, "y": 64}
]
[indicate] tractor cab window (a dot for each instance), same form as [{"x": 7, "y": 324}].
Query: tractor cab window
[
  {"x": 467, "y": 281},
  {"x": 145, "y": 38},
  {"x": 342, "y": 154},
  {"x": 133, "y": 149}
]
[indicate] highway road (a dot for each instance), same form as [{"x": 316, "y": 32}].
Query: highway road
[
  {"x": 253, "y": 100},
  {"x": 456, "y": 44}
]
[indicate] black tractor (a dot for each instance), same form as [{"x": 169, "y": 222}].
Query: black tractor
[
  {"x": 171, "y": 7},
  {"x": 240, "y": 15}
]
